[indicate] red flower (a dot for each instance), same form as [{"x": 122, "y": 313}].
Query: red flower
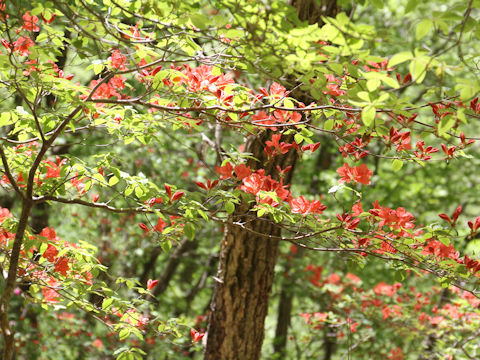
[
  {"x": 168, "y": 189},
  {"x": 51, "y": 253},
  {"x": 118, "y": 60},
  {"x": 62, "y": 266},
  {"x": 304, "y": 207},
  {"x": 151, "y": 284},
  {"x": 360, "y": 174},
  {"x": 6, "y": 44},
  {"x": 449, "y": 152},
  {"x": 275, "y": 143},
  {"x": 196, "y": 336},
  {"x": 346, "y": 173},
  {"x": 160, "y": 225},
  {"x": 242, "y": 171},
  {"x": 224, "y": 171},
  {"x": 30, "y": 22},
  {"x": 357, "y": 209},
  {"x": 22, "y": 44}
]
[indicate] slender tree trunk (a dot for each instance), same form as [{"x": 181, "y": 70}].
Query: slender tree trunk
[
  {"x": 283, "y": 321},
  {"x": 7, "y": 332}
]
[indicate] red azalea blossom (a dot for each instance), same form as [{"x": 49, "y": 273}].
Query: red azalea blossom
[
  {"x": 51, "y": 253},
  {"x": 62, "y": 266},
  {"x": 242, "y": 171},
  {"x": 454, "y": 218},
  {"x": 302, "y": 206},
  {"x": 257, "y": 182},
  {"x": 118, "y": 60},
  {"x": 22, "y": 44},
  {"x": 224, "y": 171},
  {"x": 279, "y": 147},
  {"x": 30, "y": 22},
  {"x": 6, "y": 44},
  {"x": 160, "y": 225},
  {"x": 360, "y": 174},
  {"x": 357, "y": 209}
]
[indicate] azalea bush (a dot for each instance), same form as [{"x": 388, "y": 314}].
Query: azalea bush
[{"x": 158, "y": 158}]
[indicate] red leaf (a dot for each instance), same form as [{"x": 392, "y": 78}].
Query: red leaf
[
  {"x": 177, "y": 195},
  {"x": 456, "y": 213},
  {"x": 445, "y": 217},
  {"x": 144, "y": 227},
  {"x": 202, "y": 185},
  {"x": 49, "y": 21},
  {"x": 196, "y": 336},
  {"x": 151, "y": 284},
  {"x": 311, "y": 147}
]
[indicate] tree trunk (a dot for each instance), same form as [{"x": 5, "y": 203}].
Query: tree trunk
[
  {"x": 248, "y": 254},
  {"x": 246, "y": 269}
]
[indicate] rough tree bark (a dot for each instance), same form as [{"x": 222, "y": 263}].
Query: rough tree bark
[
  {"x": 244, "y": 280},
  {"x": 248, "y": 254}
]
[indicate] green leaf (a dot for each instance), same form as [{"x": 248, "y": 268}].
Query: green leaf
[
  {"x": 229, "y": 207},
  {"x": 397, "y": 164},
  {"x": 288, "y": 103},
  {"x": 391, "y": 82},
  {"x": 99, "y": 177},
  {"x": 368, "y": 115},
  {"x": 5, "y": 119},
  {"x": 377, "y": 3},
  {"x": 113, "y": 180},
  {"x": 199, "y": 20},
  {"x": 138, "y": 191},
  {"x": 298, "y": 138},
  {"x": 373, "y": 85},
  {"x": 328, "y": 124},
  {"x": 400, "y": 58},
  {"x": 189, "y": 231},
  {"x": 423, "y": 28},
  {"x": 106, "y": 303},
  {"x": 446, "y": 124},
  {"x": 411, "y": 5},
  {"x": 364, "y": 96},
  {"x": 98, "y": 68},
  {"x": 418, "y": 69},
  {"x": 124, "y": 333}
]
